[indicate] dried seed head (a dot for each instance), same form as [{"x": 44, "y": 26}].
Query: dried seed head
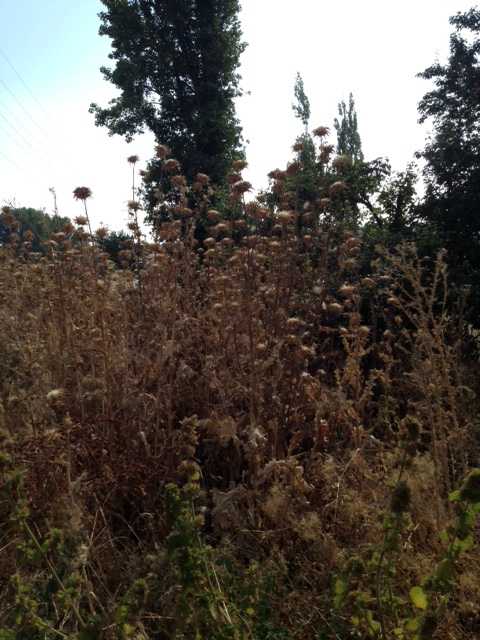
[
  {"x": 221, "y": 229},
  {"x": 239, "y": 165},
  {"x": 337, "y": 188},
  {"x": 202, "y": 178},
  {"x": 321, "y": 132},
  {"x": 81, "y": 221},
  {"x": 393, "y": 300},
  {"x": 293, "y": 168},
  {"x": 213, "y": 215},
  {"x": 242, "y": 186},
  {"x": 171, "y": 165},
  {"x": 285, "y": 217},
  {"x": 294, "y": 324},
  {"x": 234, "y": 177},
  {"x": 82, "y": 193},
  {"x": 133, "y": 159},
  {"x": 178, "y": 181},
  {"x": 209, "y": 242},
  {"x": 162, "y": 151},
  {"x": 342, "y": 163},
  {"x": 401, "y": 497},
  {"x": 346, "y": 290},
  {"x": 55, "y": 396},
  {"x": 133, "y": 205},
  {"x": 335, "y": 308}
]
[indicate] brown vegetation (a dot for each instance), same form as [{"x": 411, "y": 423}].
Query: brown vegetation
[{"x": 259, "y": 372}]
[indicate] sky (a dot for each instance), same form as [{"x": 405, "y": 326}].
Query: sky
[{"x": 50, "y": 55}]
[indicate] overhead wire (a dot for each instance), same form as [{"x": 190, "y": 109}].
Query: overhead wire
[
  {"x": 24, "y": 109},
  {"x": 18, "y": 132},
  {"x": 10, "y": 161},
  {"x": 23, "y": 82},
  {"x": 44, "y": 150},
  {"x": 16, "y": 140}
]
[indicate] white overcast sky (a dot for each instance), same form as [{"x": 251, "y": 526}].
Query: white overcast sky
[{"x": 373, "y": 48}]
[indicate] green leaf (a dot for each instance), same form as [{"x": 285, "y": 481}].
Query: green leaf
[
  {"x": 454, "y": 496},
  {"x": 412, "y": 624},
  {"x": 418, "y": 597},
  {"x": 444, "y": 571},
  {"x": 340, "y": 589},
  {"x": 444, "y": 537},
  {"x": 460, "y": 546}
]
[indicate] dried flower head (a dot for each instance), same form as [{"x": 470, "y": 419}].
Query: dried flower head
[
  {"x": 133, "y": 159},
  {"x": 321, "y": 132},
  {"x": 335, "y": 308},
  {"x": 293, "y": 168},
  {"x": 202, "y": 178},
  {"x": 171, "y": 165},
  {"x": 82, "y": 193},
  {"x": 326, "y": 151},
  {"x": 233, "y": 178},
  {"x": 55, "y": 396},
  {"x": 101, "y": 232},
  {"x": 242, "y": 186},
  {"x": 400, "y": 498},
  {"x": 81, "y": 221},
  {"x": 239, "y": 165},
  {"x": 342, "y": 163},
  {"x": 179, "y": 181},
  {"x": 346, "y": 290},
  {"x": 285, "y": 217},
  {"x": 162, "y": 151},
  {"x": 337, "y": 188}
]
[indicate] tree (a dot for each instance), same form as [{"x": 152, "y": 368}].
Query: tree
[
  {"x": 114, "y": 243},
  {"x": 348, "y": 138},
  {"x": 301, "y": 106},
  {"x": 452, "y": 154},
  {"x": 176, "y": 66},
  {"x": 40, "y": 224}
]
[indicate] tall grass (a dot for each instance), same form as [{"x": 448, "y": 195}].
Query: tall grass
[{"x": 193, "y": 444}]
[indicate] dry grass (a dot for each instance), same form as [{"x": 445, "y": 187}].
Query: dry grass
[{"x": 261, "y": 360}]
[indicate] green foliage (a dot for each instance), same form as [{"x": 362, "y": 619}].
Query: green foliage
[
  {"x": 49, "y": 587},
  {"x": 39, "y": 224},
  {"x": 301, "y": 106},
  {"x": 368, "y": 595},
  {"x": 348, "y": 138},
  {"x": 176, "y": 66},
  {"x": 451, "y": 154},
  {"x": 114, "y": 243}
]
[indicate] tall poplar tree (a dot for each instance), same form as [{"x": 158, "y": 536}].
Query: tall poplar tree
[
  {"x": 348, "y": 137},
  {"x": 176, "y": 67}
]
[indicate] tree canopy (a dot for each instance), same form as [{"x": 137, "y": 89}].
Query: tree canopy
[
  {"x": 452, "y": 154},
  {"x": 176, "y": 67}
]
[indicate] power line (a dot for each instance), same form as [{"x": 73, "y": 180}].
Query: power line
[
  {"x": 37, "y": 151},
  {"x": 10, "y": 161},
  {"x": 17, "y": 131},
  {"x": 19, "y": 142},
  {"x": 28, "y": 114},
  {"x": 25, "y": 85}
]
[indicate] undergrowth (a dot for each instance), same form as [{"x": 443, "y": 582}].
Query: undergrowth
[{"x": 234, "y": 434}]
